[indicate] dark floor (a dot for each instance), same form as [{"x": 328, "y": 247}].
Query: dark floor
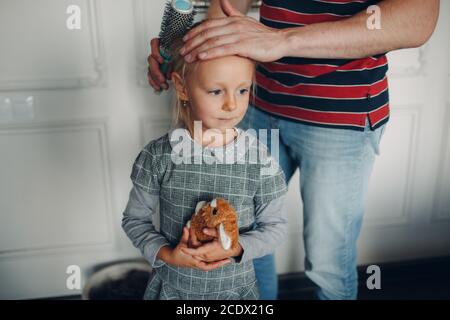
[
  {"x": 419, "y": 279},
  {"x": 409, "y": 280}
]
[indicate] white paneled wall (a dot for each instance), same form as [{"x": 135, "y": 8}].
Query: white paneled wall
[
  {"x": 75, "y": 109},
  {"x": 30, "y": 29}
]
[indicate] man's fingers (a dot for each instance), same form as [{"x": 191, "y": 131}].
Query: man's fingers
[
  {"x": 154, "y": 44},
  {"x": 152, "y": 82},
  {"x": 212, "y": 37},
  {"x": 222, "y": 51},
  {"x": 156, "y": 74},
  {"x": 169, "y": 72},
  {"x": 158, "y": 58},
  {"x": 215, "y": 43},
  {"x": 158, "y": 84},
  {"x": 212, "y": 23},
  {"x": 205, "y": 35},
  {"x": 154, "y": 61}
]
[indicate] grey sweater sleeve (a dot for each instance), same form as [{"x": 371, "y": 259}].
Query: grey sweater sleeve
[
  {"x": 271, "y": 229},
  {"x": 137, "y": 222}
]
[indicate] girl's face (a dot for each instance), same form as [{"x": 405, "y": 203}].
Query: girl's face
[{"x": 218, "y": 91}]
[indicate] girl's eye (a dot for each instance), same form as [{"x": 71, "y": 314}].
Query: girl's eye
[
  {"x": 215, "y": 92},
  {"x": 243, "y": 91}
]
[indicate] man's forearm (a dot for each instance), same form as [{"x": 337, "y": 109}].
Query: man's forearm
[
  {"x": 404, "y": 24},
  {"x": 215, "y": 11}
]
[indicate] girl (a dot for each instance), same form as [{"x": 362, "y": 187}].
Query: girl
[{"x": 205, "y": 157}]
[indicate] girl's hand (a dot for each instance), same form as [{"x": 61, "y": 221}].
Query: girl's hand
[
  {"x": 193, "y": 241},
  {"x": 236, "y": 34},
  {"x": 212, "y": 251},
  {"x": 181, "y": 259}
]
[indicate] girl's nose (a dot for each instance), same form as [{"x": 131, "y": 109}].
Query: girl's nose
[{"x": 230, "y": 104}]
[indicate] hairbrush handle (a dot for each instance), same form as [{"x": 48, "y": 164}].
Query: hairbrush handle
[{"x": 164, "y": 67}]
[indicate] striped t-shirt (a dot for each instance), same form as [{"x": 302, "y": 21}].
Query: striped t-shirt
[{"x": 338, "y": 93}]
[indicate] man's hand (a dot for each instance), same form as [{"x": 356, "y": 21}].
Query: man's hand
[
  {"x": 155, "y": 77},
  {"x": 212, "y": 251},
  {"x": 178, "y": 257},
  {"x": 236, "y": 34}
]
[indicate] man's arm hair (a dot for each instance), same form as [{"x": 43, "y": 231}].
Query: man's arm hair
[
  {"x": 215, "y": 10},
  {"x": 405, "y": 24}
]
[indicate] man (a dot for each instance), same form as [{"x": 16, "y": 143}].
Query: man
[{"x": 321, "y": 80}]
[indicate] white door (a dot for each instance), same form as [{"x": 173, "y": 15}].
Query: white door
[
  {"x": 75, "y": 109},
  {"x": 73, "y": 115}
]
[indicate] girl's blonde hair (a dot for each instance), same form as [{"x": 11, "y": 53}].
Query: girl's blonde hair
[
  {"x": 181, "y": 112},
  {"x": 182, "y": 117}
]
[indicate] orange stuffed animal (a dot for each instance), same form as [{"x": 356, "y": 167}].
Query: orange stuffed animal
[{"x": 216, "y": 214}]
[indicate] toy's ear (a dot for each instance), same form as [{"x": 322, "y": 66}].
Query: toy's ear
[
  {"x": 213, "y": 203},
  {"x": 199, "y": 206},
  {"x": 225, "y": 240}
]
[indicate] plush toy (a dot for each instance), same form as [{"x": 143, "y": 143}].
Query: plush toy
[{"x": 217, "y": 214}]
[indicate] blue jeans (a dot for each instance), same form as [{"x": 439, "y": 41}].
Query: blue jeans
[{"x": 335, "y": 167}]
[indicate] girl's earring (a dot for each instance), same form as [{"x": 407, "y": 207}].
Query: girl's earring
[{"x": 184, "y": 103}]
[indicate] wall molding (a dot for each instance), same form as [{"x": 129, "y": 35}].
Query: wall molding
[
  {"x": 99, "y": 64},
  {"x": 441, "y": 209},
  {"x": 404, "y": 218},
  {"x": 157, "y": 124},
  {"x": 419, "y": 69},
  {"x": 142, "y": 46},
  {"x": 99, "y": 127}
]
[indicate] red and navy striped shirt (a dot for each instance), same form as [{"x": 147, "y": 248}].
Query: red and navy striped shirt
[{"x": 338, "y": 93}]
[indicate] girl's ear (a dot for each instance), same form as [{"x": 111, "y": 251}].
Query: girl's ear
[{"x": 180, "y": 87}]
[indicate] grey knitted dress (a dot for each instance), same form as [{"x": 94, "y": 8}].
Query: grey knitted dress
[{"x": 178, "y": 172}]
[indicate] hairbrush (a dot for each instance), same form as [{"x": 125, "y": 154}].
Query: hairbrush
[{"x": 177, "y": 19}]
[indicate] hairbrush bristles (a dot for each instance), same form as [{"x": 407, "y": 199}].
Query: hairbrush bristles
[{"x": 177, "y": 20}]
